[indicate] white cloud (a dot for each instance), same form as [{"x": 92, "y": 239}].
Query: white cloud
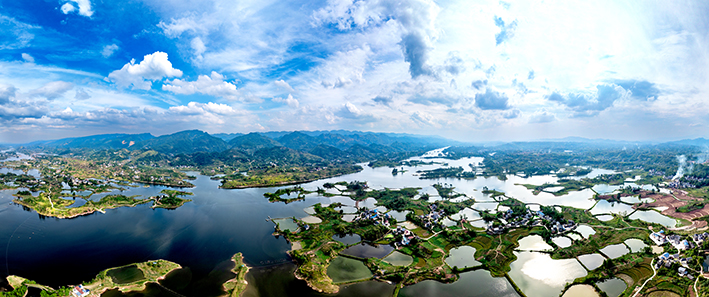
[
  {"x": 15, "y": 34},
  {"x": 109, "y": 50},
  {"x": 84, "y": 7},
  {"x": 6, "y": 92},
  {"x": 28, "y": 58},
  {"x": 198, "y": 46},
  {"x": 196, "y": 108},
  {"x": 284, "y": 85},
  {"x": 53, "y": 89},
  {"x": 154, "y": 67},
  {"x": 178, "y": 26},
  {"x": 67, "y": 8},
  {"x": 541, "y": 117},
  {"x": 292, "y": 102},
  {"x": 213, "y": 85}
]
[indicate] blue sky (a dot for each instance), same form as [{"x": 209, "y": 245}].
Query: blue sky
[{"x": 467, "y": 70}]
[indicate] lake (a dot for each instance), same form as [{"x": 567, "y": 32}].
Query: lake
[{"x": 203, "y": 234}]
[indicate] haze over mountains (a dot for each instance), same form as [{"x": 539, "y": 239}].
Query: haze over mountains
[
  {"x": 194, "y": 141},
  {"x": 330, "y": 143}
]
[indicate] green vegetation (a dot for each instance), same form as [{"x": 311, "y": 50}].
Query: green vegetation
[
  {"x": 573, "y": 171},
  {"x": 691, "y": 207},
  {"x": 610, "y": 232},
  {"x": 539, "y": 158},
  {"x": 278, "y": 195},
  {"x": 236, "y": 286},
  {"x": 446, "y": 191},
  {"x": 170, "y": 199},
  {"x": 275, "y": 176},
  {"x": 453, "y": 172},
  {"x": 132, "y": 277},
  {"x": 46, "y": 206}
]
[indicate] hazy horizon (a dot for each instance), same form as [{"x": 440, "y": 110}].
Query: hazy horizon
[
  {"x": 468, "y": 71},
  {"x": 407, "y": 133}
]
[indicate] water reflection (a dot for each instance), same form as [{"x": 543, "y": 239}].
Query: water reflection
[
  {"x": 538, "y": 275},
  {"x": 477, "y": 283}
]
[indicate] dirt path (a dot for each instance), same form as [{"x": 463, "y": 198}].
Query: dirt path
[{"x": 654, "y": 273}]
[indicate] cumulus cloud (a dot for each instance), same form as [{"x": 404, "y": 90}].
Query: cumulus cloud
[
  {"x": 67, "y": 8},
  {"x": 154, "y": 67},
  {"x": 109, "y": 50},
  {"x": 506, "y": 30},
  {"x": 292, "y": 102},
  {"x": 416, "y": 50},
  {"x": 196, "y": 108},
  {"x": 491, "y": 100},
  {"x": 213, "y": 85},
  {"x": 12, "y": 108},
  {"x": 84, "y": 7},
  {"x": 20, "y": 109},
  {"x": 81, "y": 94},
  {"x": 511, "y": 114},
  {"x": 284, "y": 85},
  {"x": 6, "y": 92},
  {"x": 542, "y": 117},
  {"x": 424, "y": 119},
  {"x": 28, "y": 58},
  {"x": 479, "y": 84},
  {"x": 345, "y": 68},
  {"x": 590, "y": 104},
  {"x": 639, "y": 89},
  {"x": 454, "y": 64},
  {"x": 349, "y": 110},
  {"x": 53, "y": 90},
  {"x": 383, "y": 100},
  {"x": 417, "y": 19}
]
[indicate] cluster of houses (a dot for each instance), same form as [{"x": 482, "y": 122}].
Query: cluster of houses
[
  {"x": 406, "y": 235},
  {"x": 667, "y": 259},
  {"x": 79, "y": 291},
  {"x": 678, "y": 184},
  {"x": 376, "y": 216},
  {"x": 511, "y": 220},
  {"x": 433, "y": 218},
  {"x": 675, "y": 240}
]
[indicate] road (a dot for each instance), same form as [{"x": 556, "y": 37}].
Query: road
[{"x": 654, "y": 273}]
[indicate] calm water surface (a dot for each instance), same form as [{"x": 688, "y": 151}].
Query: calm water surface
[{"x": 203, "y": 234}]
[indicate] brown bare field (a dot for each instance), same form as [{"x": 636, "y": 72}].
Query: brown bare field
[{"x": 664, "y": 200}]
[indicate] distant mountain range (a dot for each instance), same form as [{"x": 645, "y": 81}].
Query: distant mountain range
[
  {"x": 332, "y": 143},
  {"x": 326, "y": 144}
]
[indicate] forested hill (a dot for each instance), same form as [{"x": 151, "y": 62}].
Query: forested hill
[{"x": 194, "y": 148}]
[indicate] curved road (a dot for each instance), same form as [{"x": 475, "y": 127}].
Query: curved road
[{"x": 654, "y": 272}]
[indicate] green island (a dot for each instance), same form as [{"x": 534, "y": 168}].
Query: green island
[
  {"x": 127, "y": 278},
  {"x": 170, "y": 199},
  {"x": 274, "y": 176},
  {"x": 132, "y": 277},
  {"x": 44, "y": 205},
  {"x": 237, "y": 285}
]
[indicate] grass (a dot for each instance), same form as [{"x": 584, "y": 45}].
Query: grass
[
  {"x": 236, "y": 286},
  {"x": 151, "y": 271}
]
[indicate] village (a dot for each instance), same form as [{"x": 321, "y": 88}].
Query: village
[{"x": 681, "y": 244}]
